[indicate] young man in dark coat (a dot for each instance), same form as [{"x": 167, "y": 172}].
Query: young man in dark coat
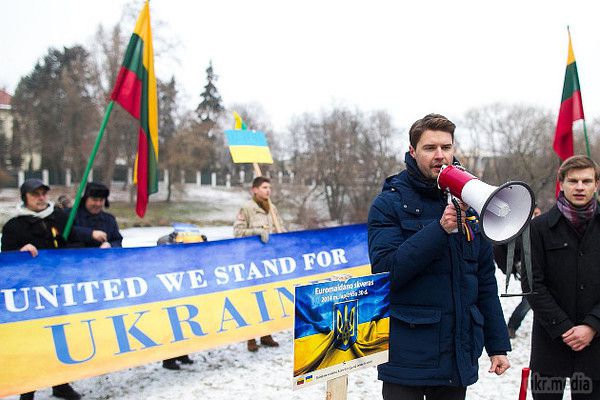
[
  {"x": 37, "y": 225},
  {"x": 565, "y": 244},
  {"x": 94, "y": 227},
  {"x": 444, "y": 304}
]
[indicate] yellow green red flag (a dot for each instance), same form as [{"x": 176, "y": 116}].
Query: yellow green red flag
[
  {"x": 571, "y": 108},
  {"x": 135, "y": 91}
]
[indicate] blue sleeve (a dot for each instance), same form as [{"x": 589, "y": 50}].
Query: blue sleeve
[
  {"x": 114, "y": 236},
  {"x": 390, "y": 251},
  {"x": 488, "y": 302}
]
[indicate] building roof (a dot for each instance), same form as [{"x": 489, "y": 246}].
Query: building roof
[{"x": 5, "y": 99}]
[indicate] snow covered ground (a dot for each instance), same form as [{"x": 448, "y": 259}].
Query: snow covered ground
[{"x": 232, "y": 372}]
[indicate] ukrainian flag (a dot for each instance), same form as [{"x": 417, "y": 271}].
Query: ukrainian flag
[
  {"x": 316, "y": 342},
  {"x": 248, "y": 146}
]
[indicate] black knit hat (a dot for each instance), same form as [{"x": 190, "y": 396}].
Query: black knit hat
[
  {"x": 31, "y": 185},
  {"x": 95, "y": 189}
]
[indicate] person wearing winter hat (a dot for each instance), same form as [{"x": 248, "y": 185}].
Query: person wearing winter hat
[
  {"x": 37, "y": 225},
  {"x": 94, "y": 227}
]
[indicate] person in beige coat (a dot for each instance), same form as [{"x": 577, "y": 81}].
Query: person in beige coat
[{"x": 259, "y": 217}]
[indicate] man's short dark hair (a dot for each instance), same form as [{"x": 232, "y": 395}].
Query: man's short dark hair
[
  {"x": 431, "y": 122},
  {"x": 577, "y": 162},
  {"x": 259, "y": 180}
]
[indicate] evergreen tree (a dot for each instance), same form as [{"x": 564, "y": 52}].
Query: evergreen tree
[
  {"x": 211, "y": 107},
  {"x": 167, "y": 107}
]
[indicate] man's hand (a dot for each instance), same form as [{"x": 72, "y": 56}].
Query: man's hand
[
  {"x": 579, "y": 337},
  {"x": 499, "y": 364},
  {"x": 105, "y": 245},
  {"x": 31, "y": 249},
  {"x": 448, "y": 220},
  {"x": 99, "y": 236},
  {"x": 263, "y": 232}
]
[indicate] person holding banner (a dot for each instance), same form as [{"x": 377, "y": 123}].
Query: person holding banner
[
  {"x": 37, "y": 225},
  {"x": 93, "y": 226},
  {"x": 566, "y": 285},
  {"x": 259, "y": 217},
  {"x": 444, "y": 305}
]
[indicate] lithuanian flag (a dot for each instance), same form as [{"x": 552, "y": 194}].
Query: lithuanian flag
[
  {"x": 135, "y": 91},
  {"x": 239, "y": 122},
  {"x": 571, "y": 109}
]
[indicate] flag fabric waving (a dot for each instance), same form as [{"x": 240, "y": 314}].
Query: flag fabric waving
[
  {"x": 571, "y": 109},
  {"x": 239, "y": 122},
  {"x": 135, "y": 91}
]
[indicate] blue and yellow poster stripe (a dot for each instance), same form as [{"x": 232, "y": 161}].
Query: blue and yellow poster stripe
[{"x": 230, "y": 291}]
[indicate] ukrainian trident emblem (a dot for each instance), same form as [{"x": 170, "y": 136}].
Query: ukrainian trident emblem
[{"x": 345, "y": 317}]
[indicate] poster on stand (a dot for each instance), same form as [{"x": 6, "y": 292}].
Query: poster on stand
[{"x": 340, "y": 326}]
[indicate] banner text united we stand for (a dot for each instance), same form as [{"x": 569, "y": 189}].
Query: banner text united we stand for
[{"x": 81, "y": 313}]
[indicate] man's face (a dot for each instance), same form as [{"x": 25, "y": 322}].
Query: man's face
[
  {"x": 37, "y": 200},
  {"x": 263, "y": 192},
  {"x": 94, "y": 204},
  {"x": 579, "y": 186},
  {"x": 434, "y": 149}
]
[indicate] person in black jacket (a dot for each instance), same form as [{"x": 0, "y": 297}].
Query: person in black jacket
[
  {"x": 93, "y": 226},
  {"x": 566, "y": 285},
  {"x": 37, "y": 225}
]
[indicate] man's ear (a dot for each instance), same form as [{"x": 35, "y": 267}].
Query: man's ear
[{"x": 411, "y": 151}]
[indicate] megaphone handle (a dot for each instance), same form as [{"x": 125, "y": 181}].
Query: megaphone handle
[{"x": 452, "y": 200}]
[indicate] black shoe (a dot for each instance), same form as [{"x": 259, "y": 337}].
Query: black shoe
[
  {"x": 27, "y": 396},
  {"x": 171, "y": 364},
  {"x": 65, "y": 391},
  {"x": 185, "y": 359}
]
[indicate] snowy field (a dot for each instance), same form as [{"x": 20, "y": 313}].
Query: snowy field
[{"x": 231, "y": 372}]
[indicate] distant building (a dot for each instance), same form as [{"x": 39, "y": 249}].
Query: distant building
[
  {"x": 32, "y": 160},
  {"x": 6, "y": 127}
]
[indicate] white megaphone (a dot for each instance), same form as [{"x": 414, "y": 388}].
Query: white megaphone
[{"x": 504, "y": 211}]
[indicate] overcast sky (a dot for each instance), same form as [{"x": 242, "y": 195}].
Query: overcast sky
[{"x": 407, "y": 57}]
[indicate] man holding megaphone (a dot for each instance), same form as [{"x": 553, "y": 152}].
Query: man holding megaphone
[{"x": 444, "y": 305}]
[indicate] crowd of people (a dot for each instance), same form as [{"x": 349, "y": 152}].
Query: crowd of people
[{"x": 444, "y": 303}]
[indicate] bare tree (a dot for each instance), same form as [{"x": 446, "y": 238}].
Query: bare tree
[
  {"x": 346, "y": 155},
  {"x": 516, "y": 141}
]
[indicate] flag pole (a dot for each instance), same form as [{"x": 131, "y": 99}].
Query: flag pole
[
  {"x": 88, "y": 168},
  {"x": 587, "y": 142}
]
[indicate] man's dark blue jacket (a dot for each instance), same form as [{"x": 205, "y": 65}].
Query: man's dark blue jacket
[
  {"x": 444, "y": 304},
  {"x": 85, "y": 222}
]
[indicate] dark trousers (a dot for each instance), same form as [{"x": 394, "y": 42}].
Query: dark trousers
[
  {"x": 392, "y": 391},
  {"x": 519, "y": 314},
  {"x": 552, "y": 388}
]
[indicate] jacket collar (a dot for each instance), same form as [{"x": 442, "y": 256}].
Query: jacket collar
[{"x": 554, "y": 215}]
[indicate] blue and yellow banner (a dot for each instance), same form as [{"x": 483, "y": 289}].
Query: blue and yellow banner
[
  {"x": 248, "y": 146},
  {"x": 340, "y": 326},
  {"x": 71, "y": 314}
]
